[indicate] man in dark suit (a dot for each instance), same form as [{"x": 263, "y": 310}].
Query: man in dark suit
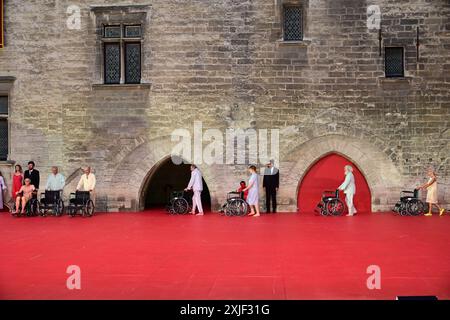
[
  {"x": 32, "y": 174},
  {"x": 271, "y": 182}
]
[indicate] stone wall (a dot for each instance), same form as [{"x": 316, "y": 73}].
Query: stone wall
[{"x": 223, "y": 63}]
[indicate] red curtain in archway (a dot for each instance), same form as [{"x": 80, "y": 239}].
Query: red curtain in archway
[{"x": 328, "y": 174}]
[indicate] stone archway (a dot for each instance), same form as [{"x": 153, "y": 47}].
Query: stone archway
[
  {"x": 327, "y": 173},
  {"x": 162, "y": 179},
  {"x": 383, "y": 178},
  {"x": 128, "y": 179}
]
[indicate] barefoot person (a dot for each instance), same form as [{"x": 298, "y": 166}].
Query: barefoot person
[
  {"x": 196, "y": 185},
  {"x": 432, "y": 193},
  {"x": 253, "y": 192},
  {"x": 349, "y": 188},
  {"x": 24, "y": 195}
]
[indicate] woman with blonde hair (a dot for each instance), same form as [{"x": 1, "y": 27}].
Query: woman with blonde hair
[{"x": 432, "y": 193}]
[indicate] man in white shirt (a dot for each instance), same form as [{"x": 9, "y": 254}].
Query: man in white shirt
[
  {"x": 87, "y": 183},
  {"x": 196, "y": 185},
  {"x": 349, "y": 188},
  {"x": 55, "y": 181}
]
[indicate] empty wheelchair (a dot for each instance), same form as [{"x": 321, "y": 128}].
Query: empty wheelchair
[
  {"x": 235, "y": 205},
  {"x": 409, "y": 204},
  {"x": 179, "y": 203},
  {"x": 31, "y": 207},
  {"x": 330, "y": 204},
  {"x": 51, "y": 201},
  {"x": 80, "y": 203}
]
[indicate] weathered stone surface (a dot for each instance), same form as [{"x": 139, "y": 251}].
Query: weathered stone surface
[{"x": 222, "y": 63}]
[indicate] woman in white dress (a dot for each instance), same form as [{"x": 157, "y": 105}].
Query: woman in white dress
[
  {"x": 253, "y": 192},
  {"x": 432, "y": 193},
  {"x": 2, "y": 190}
]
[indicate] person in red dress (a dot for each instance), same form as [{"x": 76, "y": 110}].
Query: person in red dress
[
  {"x": 241, "y": 188},
  {"x": 17, "y": 181}
]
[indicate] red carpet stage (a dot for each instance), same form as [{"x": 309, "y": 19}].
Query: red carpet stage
[{"x": 152, "y": 255}]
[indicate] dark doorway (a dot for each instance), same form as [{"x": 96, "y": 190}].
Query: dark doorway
[{"x": 168, "y": 177}]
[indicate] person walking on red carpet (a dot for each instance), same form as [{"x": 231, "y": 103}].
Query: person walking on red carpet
[
  {"x": 253, "y": 192},
  {"x": 196, "y": 185},
  {"x": 349, "y": 188},
  {"x": 432, "y": 193}
]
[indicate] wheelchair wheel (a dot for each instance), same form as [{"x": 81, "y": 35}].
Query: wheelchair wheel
[
  {"x": 236, "y": 207},
  {"x": 180, "y": 206},
  {"x": 72, "y": 211},
  {"x": 322, "y": 206},
  {"x": 89, "y": 208},
  {"x": 335, "y": 207},
  {"x": 42, "y": 209},
  {"x": 59, "y": 208},
  {"x": 227, "y": 210},
  {"x": 415, "y": 207},
  {"x": 403, "y": 210},
  {"x": 33, "y": 208},
  {"x": 243, "y": 207}
]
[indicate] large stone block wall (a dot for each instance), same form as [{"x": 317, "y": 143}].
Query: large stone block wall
[{"x": 223, "y": 63}]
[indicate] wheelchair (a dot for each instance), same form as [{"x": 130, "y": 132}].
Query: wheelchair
[
  {"x": 179, "y": 203},
  {"x": 80, "y": 203},
  {"x": 409, "y": 204},
  {"x": 31, "y": 208},
  {"x": 330, "y": 204},
  {"x": 235, "y": 205},
  {"x": 51, "y": 201}
]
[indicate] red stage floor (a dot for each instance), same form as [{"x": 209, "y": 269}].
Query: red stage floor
[{"x": 285, "y": 256}]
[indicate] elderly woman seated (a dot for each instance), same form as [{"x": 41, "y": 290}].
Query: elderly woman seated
[{"x": 24, "y": 195}]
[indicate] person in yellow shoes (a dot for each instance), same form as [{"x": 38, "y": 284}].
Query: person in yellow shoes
[{"x": 432, "y": 193}]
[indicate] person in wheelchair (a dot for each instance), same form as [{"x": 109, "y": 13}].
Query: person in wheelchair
[
  {"x": 242, "y": 186},
  {"x": 243, "y": 194},
  {"x": 24, "y": 195}
]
